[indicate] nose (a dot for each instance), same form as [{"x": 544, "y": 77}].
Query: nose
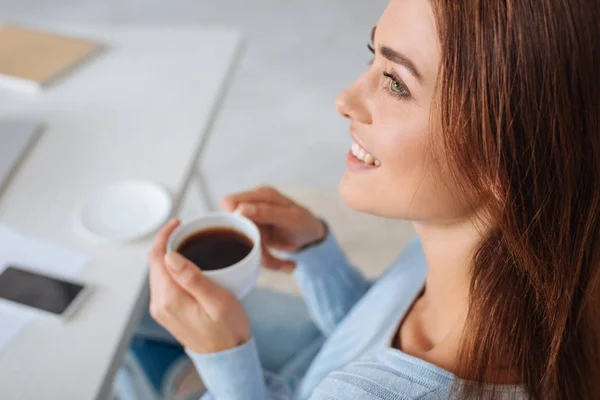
[{"x": 351, "y": 104}]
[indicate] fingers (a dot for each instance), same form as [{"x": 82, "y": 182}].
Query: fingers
[
  {"x": 161, "y": 284},
  {"x": 189, "y": 276},
  {"x": 263, "y": 194},
  {"x": 271, "y": 262},
  {"x": 159, "y": 247},
  {"x": 166, "y": 296},
  {"x": 265, "y": 213},
  {"x": 168, "y": 301},
  {"x": 160, "y": 280}
]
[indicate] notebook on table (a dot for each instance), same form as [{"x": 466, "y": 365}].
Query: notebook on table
[
  {"x": 16, "y": 139},
  {"x": 31, "y": 59}
]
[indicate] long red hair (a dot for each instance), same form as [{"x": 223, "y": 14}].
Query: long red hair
[{"x": 519, "y": 96}]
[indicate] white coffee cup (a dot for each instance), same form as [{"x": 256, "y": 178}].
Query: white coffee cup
[{"x": 240, "y": 277}]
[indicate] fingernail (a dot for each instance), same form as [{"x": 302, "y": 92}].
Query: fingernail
[
  {"x": 248, "y": 209},
  {"x": 175, "y": 261},
  {"x": 172, "y": 221}
]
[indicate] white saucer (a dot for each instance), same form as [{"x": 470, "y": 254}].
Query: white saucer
[{"x": 126, "y": 211}]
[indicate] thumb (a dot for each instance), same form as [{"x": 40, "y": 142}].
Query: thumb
[{"x": 189, "y": 277}]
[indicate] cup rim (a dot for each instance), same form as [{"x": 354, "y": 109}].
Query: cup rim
[{"x": 256, "y": 243}]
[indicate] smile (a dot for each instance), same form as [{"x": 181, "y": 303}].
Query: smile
[{"x": 364, "y": 156}]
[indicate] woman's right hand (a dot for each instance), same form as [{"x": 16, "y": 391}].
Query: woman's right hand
[{"x": 284, "y": 225}]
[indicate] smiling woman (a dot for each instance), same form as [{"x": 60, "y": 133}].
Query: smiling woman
[{"x": 478, "y": 121}]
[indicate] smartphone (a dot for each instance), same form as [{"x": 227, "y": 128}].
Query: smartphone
[{"x": 52, "y": 295}]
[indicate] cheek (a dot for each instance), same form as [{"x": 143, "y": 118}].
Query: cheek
[
  {"x": 388, "y": 190},
  {"x": 402, "y": 153},
  {"x": 408, "y": 185}
]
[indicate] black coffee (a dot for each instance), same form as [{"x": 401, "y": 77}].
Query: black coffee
[{"x": 216, "y": 248}]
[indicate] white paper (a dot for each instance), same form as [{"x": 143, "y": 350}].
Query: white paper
[{"x": 38, "y": 256}]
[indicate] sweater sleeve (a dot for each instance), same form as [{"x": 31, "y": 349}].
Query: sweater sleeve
[
  {"x": 331, "y": 287},
  {"x": 236, "y": 374},
  {"x": 329, "y": 284}
]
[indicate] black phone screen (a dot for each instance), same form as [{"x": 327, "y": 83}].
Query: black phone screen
[{"x": 36, "y": 290}]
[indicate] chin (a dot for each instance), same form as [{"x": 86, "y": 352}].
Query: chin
[
  {"x": 355, "y": 193},
  {"x": 362, "y": 193}
]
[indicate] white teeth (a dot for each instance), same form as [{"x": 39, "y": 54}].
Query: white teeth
[{"x": 362, "y": 155}]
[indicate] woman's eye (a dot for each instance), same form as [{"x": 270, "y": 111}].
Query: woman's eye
[{"x": 396, "y": 87}]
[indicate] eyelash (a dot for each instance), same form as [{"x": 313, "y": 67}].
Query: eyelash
[
  {"x": 371, "y": 48},
  {"x": 404, "y": 94}
]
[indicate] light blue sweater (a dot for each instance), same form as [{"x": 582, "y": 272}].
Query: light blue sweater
[{"x": 359, "y": 320}]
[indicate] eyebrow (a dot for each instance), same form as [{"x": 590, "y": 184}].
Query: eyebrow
[{"x": 400, "y": 59}]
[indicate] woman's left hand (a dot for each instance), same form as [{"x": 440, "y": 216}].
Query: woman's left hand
[{"x": 200, "y": 314}]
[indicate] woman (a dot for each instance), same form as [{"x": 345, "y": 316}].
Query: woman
[{"x": 479, "y": 121}]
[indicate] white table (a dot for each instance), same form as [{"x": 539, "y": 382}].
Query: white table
[{"x": 139, "y": 110}]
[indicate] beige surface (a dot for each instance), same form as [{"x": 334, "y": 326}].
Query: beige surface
[
  {"x": 370, "y": 242},
  {"x": 39, "y": 56}
]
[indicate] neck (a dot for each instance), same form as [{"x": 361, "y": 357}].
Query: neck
[
  {"x": 449, "y": 250},
  {"x": 439, "y": 316}
]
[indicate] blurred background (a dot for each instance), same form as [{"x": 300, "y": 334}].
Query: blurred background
[{"x": 278, "y": 124}]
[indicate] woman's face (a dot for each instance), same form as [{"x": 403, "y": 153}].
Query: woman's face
[{"x": 389, "y": 107}]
